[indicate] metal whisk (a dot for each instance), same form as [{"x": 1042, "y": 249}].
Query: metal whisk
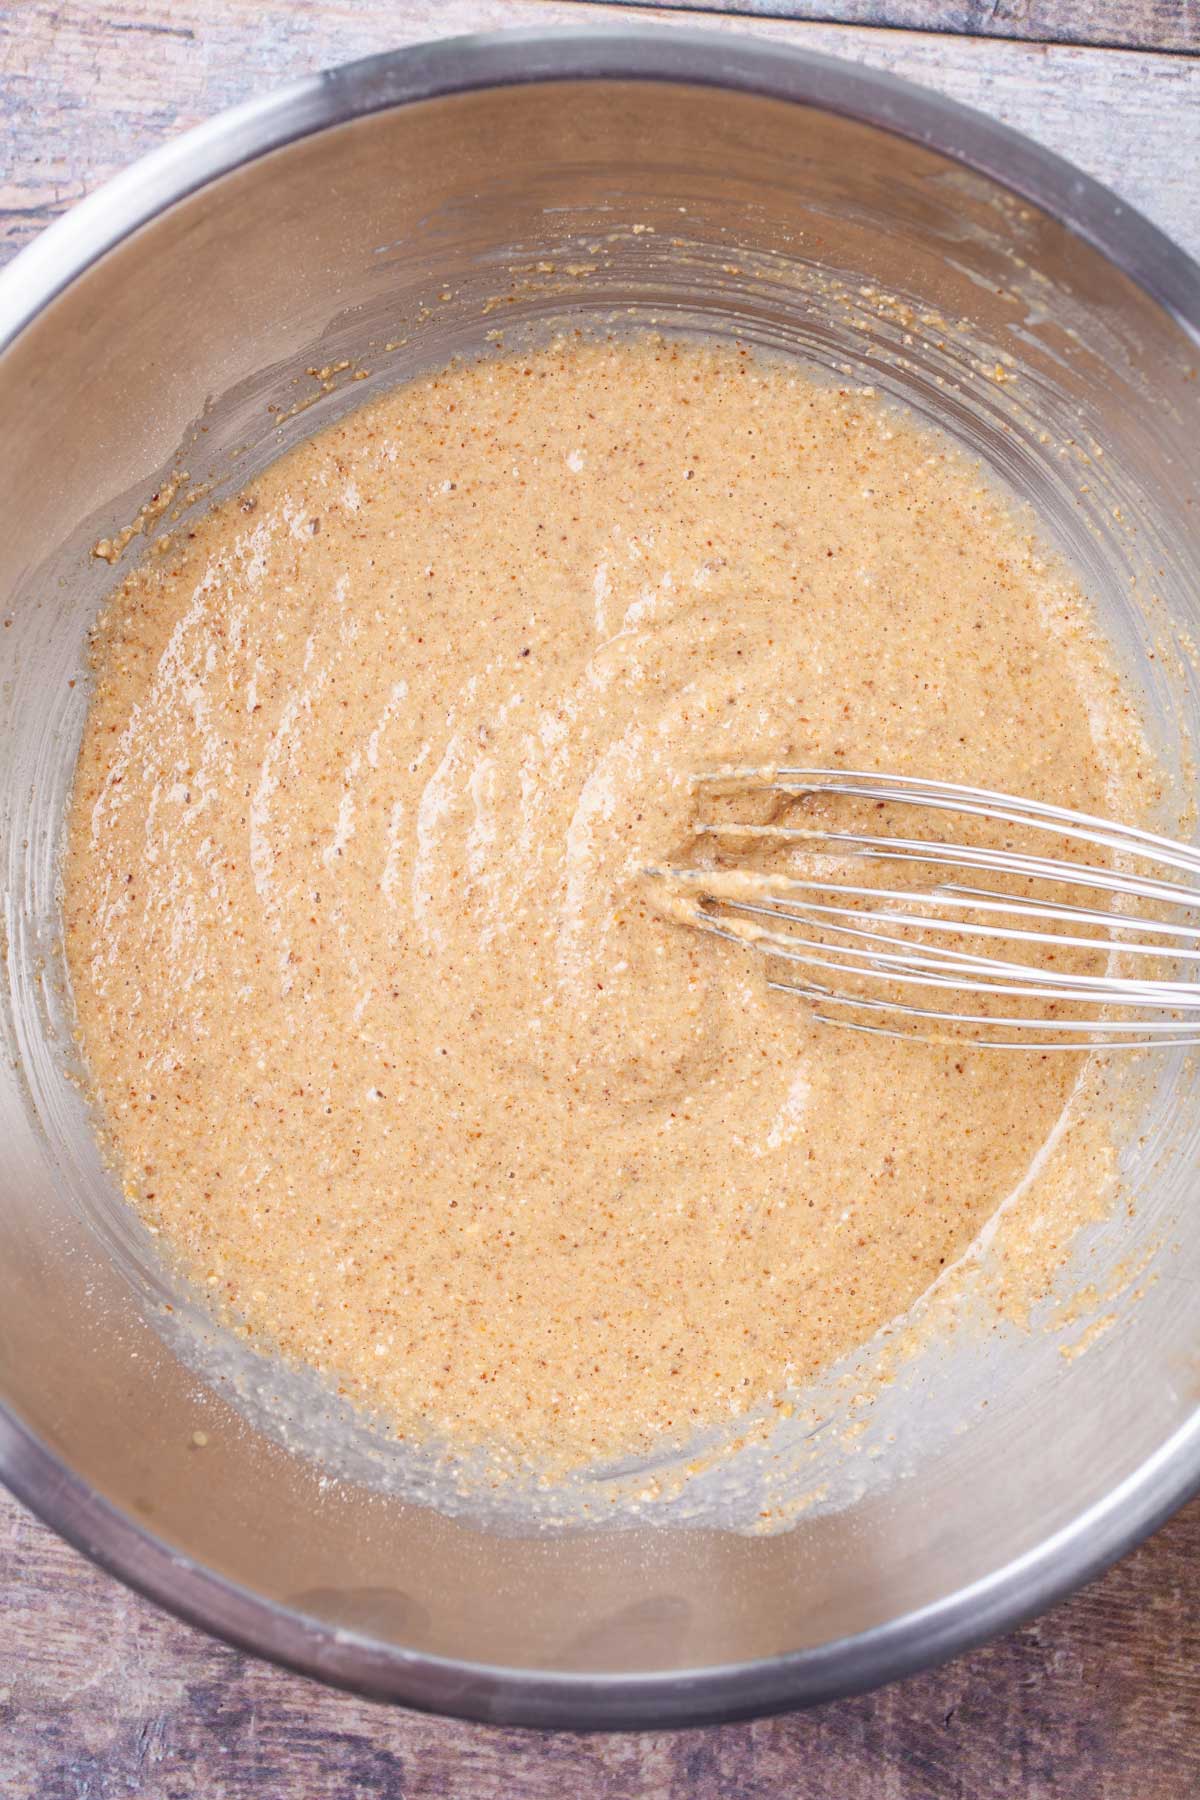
[{"x": 934, "y": 937}]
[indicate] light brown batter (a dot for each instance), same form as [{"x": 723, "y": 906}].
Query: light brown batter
[{"x": 387, "y": 1034}]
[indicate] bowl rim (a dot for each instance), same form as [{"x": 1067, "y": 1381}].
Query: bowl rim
[{"x": 115, "y": 1541}]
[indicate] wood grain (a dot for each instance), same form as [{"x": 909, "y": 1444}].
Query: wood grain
[
  {"x": 84, "y": 88},
  {"x": 1128, "y": 24},
  {"x": 103, "y": 1696}
]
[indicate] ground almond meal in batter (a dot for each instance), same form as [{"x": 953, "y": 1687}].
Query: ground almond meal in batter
[{"x": 386, "y": 1033}]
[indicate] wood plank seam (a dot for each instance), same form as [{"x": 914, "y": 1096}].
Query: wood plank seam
[{"x": 1167, "y": 27}]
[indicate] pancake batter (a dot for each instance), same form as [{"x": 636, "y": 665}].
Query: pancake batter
[{"x": 387, "y": 1035}]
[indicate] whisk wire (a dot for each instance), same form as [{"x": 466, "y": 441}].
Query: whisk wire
[
  {"x": 1062, "y": 940},
  {"x": 951, "y": 796},
  {"x": 877, "y": 947},
  {"x": 930, "y": 970},
  {"x": 994, "y": 1021},
  {"x": 967, "y": 856}
]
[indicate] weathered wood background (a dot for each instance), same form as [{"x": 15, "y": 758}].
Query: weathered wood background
[
  {"x": 87, "y": 85},
  {"x": 1128, "y": 24},
  {"x": 102, "y": 1696}
]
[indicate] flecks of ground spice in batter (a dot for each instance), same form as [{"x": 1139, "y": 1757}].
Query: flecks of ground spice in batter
[{"x": 386, "y": 1033}]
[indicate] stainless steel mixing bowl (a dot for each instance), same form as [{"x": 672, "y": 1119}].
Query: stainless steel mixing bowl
[{"x": 390, "y": 213}]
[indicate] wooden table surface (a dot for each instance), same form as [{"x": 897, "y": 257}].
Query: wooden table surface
[{"x": 103, "y": 1696}]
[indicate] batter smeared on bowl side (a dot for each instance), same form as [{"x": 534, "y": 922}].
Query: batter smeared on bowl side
[{"x": 386, "y": 1033}]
